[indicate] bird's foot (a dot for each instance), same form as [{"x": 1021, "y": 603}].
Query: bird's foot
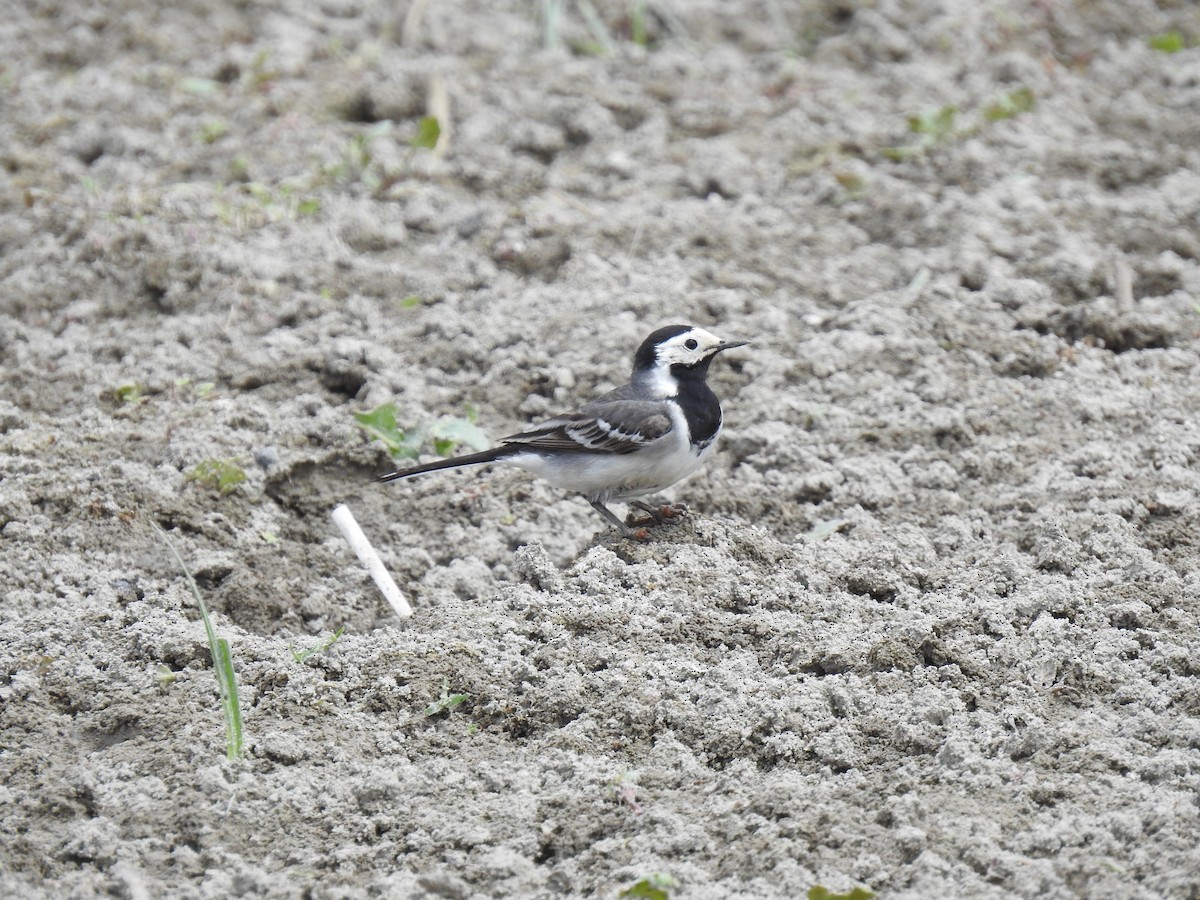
[
  {"x": 634, "y": 532},
  {"x": 657, "y": 515}
]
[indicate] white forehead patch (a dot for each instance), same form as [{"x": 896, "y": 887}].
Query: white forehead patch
[{"x": 687, "y": 348}]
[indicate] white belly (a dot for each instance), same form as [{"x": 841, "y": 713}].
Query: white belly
[{"x": 620, "y": 477}]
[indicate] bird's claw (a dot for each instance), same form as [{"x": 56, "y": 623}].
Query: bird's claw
[{"x": 658, "y": 515}]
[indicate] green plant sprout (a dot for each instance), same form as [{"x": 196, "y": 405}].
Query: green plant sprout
[
  {"x": 930, "y": 127},
  {"x": 1167, "y": 42},
  {"x": 446, "y": 701},
  {"x": 199, "y": 86},
  {"x": 254, "y": 204},
  {"x": 820, "y": 892},
  {"x": 935, "y": 126},
  {"x": 637, "y": 23},
  {"x": 380, "y": 424},
  {"x": 222, "y": 475},
  {"x": 198, "y": 390},
  {"x": 301, "y": 655},
  {"x": 428, "y": 132},
  {"x": 129, "y": 394},
  {"x": 1010, "y": 105},
  {"x": 261, "y": 74},
  {"x": 853, "y": 184},
  {"x": 601, "y": 42},
  {"x": 443, "y": 435},
  {"x": 357, "y": 156},
  {"x": 634, "y": 24},
  {"x": 448, "y": 433},
  {"x": 222, "y": 659},
  {"x": 653, "y": 887},
  {"x": 213, "y": 130}
]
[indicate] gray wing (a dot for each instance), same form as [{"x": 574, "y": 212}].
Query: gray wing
[{"x": 603, "y": 426}]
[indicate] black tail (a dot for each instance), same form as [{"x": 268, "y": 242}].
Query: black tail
[{"x": 454, "y": 462}]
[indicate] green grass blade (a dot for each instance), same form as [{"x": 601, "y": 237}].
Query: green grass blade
[
  {"x": 222, "y": 661},
  {"x": 230, "y": 703}
]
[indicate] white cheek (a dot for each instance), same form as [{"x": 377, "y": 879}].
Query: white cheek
[{"x": 680, "y": 356}]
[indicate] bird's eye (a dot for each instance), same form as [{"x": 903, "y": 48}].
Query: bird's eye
[{"x": 691, "y": 343}]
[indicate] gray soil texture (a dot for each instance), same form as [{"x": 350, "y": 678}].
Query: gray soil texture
[{"x": 931, "y": 627}]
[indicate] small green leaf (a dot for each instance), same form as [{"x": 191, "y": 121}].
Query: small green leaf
[
  {"x": 380, "y": 421},
  {"x": 823, "y": 530},
  {"x": 301, "y": 655},
  {"x": 1168, "y": 42},
  {"x": 820, "y": 892},
  {"x": 198, "y": 85},
  {"x": 212, "y": 131},
  {"x": 589, "y": 48},
  {"x": 1012, "y": 104},
  {"x": 445, "y": 435},
  {"x": 223, "y": 475},
  {"x": 412, "y": 301},
  {"x": 428, "y": 132},
  {"x": 129, "y": 394},
  {"x": 936, "y": 123},
  {"x": 652, "y": 887},
  {"x": 458, "y": 431},
  {"x": 309, "y": 206},
  {"x": 380, "y": 424},
  {"x": 446, "y": 701},
  {"x": 851, "y": 182}
]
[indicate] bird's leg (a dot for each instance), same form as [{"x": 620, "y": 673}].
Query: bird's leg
[
  {"x": 638, "y": 534},
  {"x": 661, "y": 514}
]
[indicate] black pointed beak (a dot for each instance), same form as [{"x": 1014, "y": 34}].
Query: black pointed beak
[{"x": 729, "y": 345}]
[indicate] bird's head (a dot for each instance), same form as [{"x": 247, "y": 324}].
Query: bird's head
[{"x": 675, "y": 352}]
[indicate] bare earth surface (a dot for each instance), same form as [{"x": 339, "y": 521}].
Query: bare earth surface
[{"x": 932, "y": 626}]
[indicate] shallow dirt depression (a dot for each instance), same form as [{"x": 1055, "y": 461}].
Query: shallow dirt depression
[{"x": 931, "y": 628}]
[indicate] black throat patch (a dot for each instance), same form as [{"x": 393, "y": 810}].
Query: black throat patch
[{"x": 700, "y": 406}]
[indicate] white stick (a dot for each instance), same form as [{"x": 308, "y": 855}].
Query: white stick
[{"x": 366, "y": 553}]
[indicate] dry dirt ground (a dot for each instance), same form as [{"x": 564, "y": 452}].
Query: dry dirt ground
[{"x": 932, "y": 626}]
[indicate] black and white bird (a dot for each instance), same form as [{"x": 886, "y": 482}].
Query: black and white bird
[{"x": 631, "y": 442}]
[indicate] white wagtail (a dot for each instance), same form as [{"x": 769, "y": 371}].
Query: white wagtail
[{"x": 633, "y": 441}]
